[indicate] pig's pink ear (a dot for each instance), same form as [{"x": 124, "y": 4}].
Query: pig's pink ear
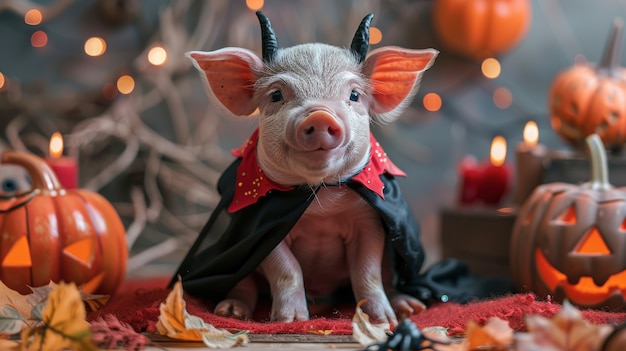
[
  {"x": 230, "y": 74},
  {"x": 395, "y": 74}
]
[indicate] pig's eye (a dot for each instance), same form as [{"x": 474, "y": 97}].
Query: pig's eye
[
  {"x": 354, "y": 96},
  {"x": 277, "y": 96}
]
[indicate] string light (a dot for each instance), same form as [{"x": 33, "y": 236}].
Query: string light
[
  {"x": 491, "y": 68},
  {"x": 33, "y": 17},
  {"x": 432, "y": 102},
  {"x": 39, "y": 39},
  {"x": 502, "y": 98},
  {"x": 157, "y": 55},
  {"x": 255, "y": 5},
  {"x": 95, "y": 46},
  {"x": 376, "y": 36},
  {"x": 125, "y": 84}
]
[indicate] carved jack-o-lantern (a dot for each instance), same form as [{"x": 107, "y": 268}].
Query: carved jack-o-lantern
[
  {"x": 569, "y": 241},
  {"x": 481, "y": 28},
  {"x": 51, "y": 233},
  {"x": 585, "y": 100}
]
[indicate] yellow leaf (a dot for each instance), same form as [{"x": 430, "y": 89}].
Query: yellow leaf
[
  {"x": 64, "y": 324},
  {"x": 175, "y": 322},
  {"x": 363, "y": 331}
]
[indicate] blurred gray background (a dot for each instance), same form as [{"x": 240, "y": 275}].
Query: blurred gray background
[{"x": 157, "y": 152}]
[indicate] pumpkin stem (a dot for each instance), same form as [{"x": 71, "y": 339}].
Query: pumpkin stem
[
  {"x": 599, "y": 169},
  {"x": 42, "y": 175},
  {"x": 610, "y": 60}
]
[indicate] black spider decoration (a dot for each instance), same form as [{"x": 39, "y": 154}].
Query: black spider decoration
[{"x": 406, "y": 337}]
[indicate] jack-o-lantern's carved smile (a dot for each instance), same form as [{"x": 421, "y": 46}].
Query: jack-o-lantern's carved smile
[{"x": 585, "y": 290}]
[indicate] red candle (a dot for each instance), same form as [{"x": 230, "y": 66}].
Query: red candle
[
  {"x": 65, "y": 167},
  {"x": 495, "y": 180},
  {"x": 471, "y": 173}
]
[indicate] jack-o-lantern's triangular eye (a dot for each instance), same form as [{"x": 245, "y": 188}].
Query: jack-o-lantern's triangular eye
[
  {"x": 592, "y": 244},
  {"x": 81, "y": 251},
  {"x": 18, "y": 255},
  {"x": 568, "y": 216}
]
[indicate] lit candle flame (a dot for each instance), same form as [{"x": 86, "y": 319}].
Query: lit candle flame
[
  {"x": 497, "y": 155},
  {"x": 531, "y": 134},
  {"x": 56, "y": 145}
]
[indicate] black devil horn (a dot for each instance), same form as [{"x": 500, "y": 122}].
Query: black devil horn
[
  {"x": 361, "y": 40},
  {"x": 268, "y": 37}
]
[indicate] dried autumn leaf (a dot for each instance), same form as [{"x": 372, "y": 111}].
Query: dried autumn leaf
[
  {"x": 319, "y": 331},
  {"x": 566, "y": 330},
  {"x": 40, "y": 294},
  {"x": 175, "y": 322},
  {"x": 64, "y": 324},
  {"x": 496, "y": 334},
  {"x": 15, "y": 300},
  {"x": 18, "y": 311},
  {"x": 363, "y": 331}
]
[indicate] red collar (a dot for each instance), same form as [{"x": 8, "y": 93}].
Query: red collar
[{"x": 253, "y": 184}]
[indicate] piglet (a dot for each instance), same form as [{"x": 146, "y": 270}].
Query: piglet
[{"x": 315, "y": 103}]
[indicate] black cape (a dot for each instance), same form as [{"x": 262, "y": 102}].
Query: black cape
[{"x": 231, "y": 245}]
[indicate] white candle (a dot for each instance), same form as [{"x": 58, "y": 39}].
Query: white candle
[{"x": 530, "y": 157}]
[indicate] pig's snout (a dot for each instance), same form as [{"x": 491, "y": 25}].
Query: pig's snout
[{"x": 319, "y": 130}]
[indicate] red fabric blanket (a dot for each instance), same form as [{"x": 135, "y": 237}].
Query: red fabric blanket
[{"x": 137, "y": 303}]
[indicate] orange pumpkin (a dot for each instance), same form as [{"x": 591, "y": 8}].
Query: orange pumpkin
[
  {"x": 569, "y": 241},
  {"x": 481, "y": 28},
  {"x": 54, "y": 234},
  {"x": 585, "y": 99}
]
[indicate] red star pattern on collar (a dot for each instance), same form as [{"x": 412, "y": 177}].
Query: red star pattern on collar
[{"x": 252, "y": 183}]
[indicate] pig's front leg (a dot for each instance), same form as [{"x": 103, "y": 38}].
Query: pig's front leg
[
  {"x": 240, "y": 300},
  {"x": 365, "y": 256},
  {"x": 404, "y": 305},
  {"x": 283, "y": 272}
]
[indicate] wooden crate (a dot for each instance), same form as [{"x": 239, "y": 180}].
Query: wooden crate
[{"x": 480, "y": 237}]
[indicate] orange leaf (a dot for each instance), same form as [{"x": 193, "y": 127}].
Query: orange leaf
[
  {"x": 495, "y": 334},
  {"x": 176, "y": 323}
]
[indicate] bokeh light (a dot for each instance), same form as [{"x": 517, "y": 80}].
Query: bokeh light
[
  {"x": 502, "y": 98},
  {"x": 491, "y": 68},
  {"x": 95, "y": 46},
  {"x": 157, "y": 55},
  {"x": 33, "y": 17},
  {"x": 2, "y": 80},
  {"x": 125, "y": 84},
  {"x": 376, "y": 36},
  {"x": 432, "y": 102},
  {"x": 39, "y": 39},
  {"x": 255, "y": 5}
]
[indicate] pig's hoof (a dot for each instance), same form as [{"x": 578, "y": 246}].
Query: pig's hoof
[
  {"x": 406, "y": 305},
  {"x": 379, "y": 311},
  {"x": 289, "y": 313},
  {"x": 234, "y": 309}
]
